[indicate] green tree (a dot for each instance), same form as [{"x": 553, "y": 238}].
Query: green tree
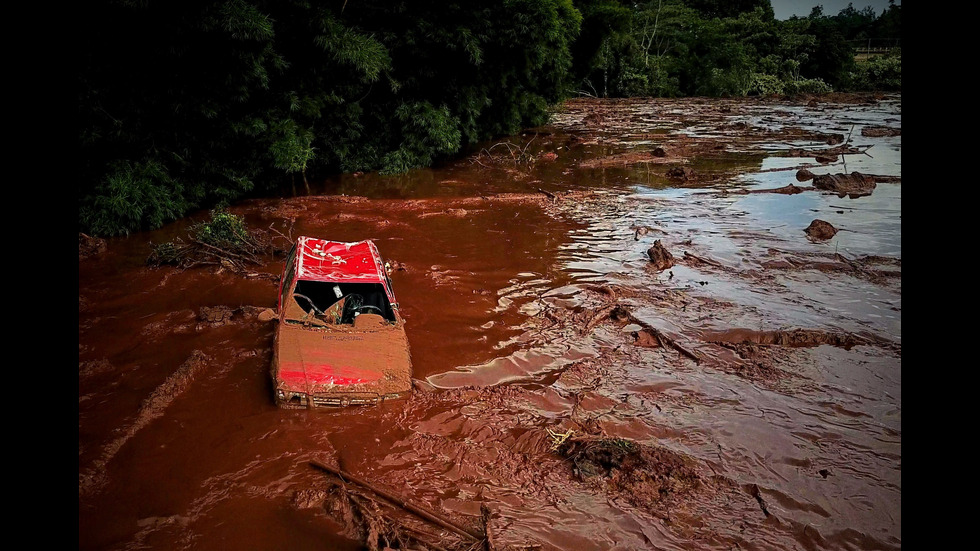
[{"x": 189, "y": 104}]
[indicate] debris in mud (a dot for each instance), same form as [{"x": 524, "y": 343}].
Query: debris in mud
[
  {"x": 559, "y": 438},
  {"x": 594, "y": 118},
  {"x": 643, "y": 230},
  {"x": 880, "y": 178},
  {"x": 383, "y": 520},
  {"x": 651, "y": 477},
  {"x": 698, "y": 261},
  {"x": 506, "y": 152},
  {"x": 215, "y": 316},
  {"x": 788, "y": 189},
  {"x": 757, "y": 494},
  {"x": 876, "y": 269},
  {"x": 684, "y": 173},
  {"x": 224, "y": 241},
  {"x": 819, "y": 230},
  {"x": 852, "y": 185},
  {"x": 395, "y": 266},
  {"x": 309, "y": 498},
  {"x": 613, "y": 312},
  {"x": 621, "y": 314},
  {"x": 803, "y": 175},
  {"x": 606, "y": 290},
  {"x": 660, "y": 256},
  {"x": 646, "y": 339},
  {"x": 658, "y": 155},
  {"x": 828, "y": 155},
  {"x": 89, "y": 246},
  {"x": 824, "y": 473},
  {"x": 734, "y": 338},
  {"x": 880, "y": 131}
]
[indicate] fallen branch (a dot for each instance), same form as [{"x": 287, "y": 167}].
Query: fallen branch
[
  {"x": 662, "y": 338},
  {"x": 703, "y": 260},
  {"x": 396, "y": 500},
  {"x": 549, "y": 194},
  {"x": 488, "y": 543},
  {"x": 598, "y": 317}
]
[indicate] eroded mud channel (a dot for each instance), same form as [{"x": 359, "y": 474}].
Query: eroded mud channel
[{"x": 652, "y": 324}]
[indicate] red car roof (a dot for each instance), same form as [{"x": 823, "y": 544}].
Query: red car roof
[{"x": 338, "y": 262}]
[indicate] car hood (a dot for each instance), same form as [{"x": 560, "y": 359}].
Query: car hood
[{"x": 340, "y": 360}]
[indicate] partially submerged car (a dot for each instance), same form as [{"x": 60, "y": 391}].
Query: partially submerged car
[{"x": 340, "y": 340}]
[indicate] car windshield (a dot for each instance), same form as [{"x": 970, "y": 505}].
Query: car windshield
[{"x": 321, "y": 302}]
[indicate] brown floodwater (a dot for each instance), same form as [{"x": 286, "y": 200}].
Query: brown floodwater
[{"x": 767, "y": 363}]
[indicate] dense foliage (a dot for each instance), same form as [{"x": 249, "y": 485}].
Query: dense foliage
[
  {"x": 189, "y": 104},
  {"x": 727, "y": 48},
  {"x": 185, "y": 104}
]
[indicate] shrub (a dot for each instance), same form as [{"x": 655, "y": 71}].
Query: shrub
[
  {"x": 807, "y": 86},
  {"x": 225, "y": 230},
  {"x": 879, "y": 73},
  {"x": 765, "y": 85},
  {"x": 131, "y": 197}
]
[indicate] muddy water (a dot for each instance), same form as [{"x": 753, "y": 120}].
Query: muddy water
[{"x": 769, "y": 364}]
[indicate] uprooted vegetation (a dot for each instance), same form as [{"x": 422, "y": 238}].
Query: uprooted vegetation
[
  {"x": 89, "y": 246},
  {"x": 223, "y": 241},
  {"x": 509, "y": 153},
  {"x": 653, "y": 478},
  {"x": 384, "y": 520}
]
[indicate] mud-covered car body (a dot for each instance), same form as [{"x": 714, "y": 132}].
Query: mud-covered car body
[{"x": 340, "y": 339}]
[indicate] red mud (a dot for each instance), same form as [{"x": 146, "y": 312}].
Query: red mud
[{"x": 691, "y": 415}]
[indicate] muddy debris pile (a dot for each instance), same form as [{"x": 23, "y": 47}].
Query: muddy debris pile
[
  {"x": 650, "y": 477},
  {"x": 880, "y": 131},
  {"x": 660, "y": 257},
  {"x": 827, "y": 155},
  {"x": 224, "y": 242},
  {"x": 876, "y": 269},
  {"x": 820, "y": 230},
  {"x": 803, "y": 175},
  {"x": 383, "y": 520},
  {"x": 682, "y": 173},
  {"x": 657, "y": 155},
  {"x": 89, "y": 246},
  {"x": 793, "y": 338},
  {"x": 851, "y": 185},
  {"x": 215, "y": 316}
]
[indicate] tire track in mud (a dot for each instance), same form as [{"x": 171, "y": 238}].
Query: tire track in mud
[{"x": 152, "y": 408}]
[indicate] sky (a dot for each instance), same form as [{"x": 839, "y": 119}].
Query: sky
[{"x": 784, "y": 9}]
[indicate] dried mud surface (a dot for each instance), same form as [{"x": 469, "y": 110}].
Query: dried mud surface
[{"x": 624, "y": 336}]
